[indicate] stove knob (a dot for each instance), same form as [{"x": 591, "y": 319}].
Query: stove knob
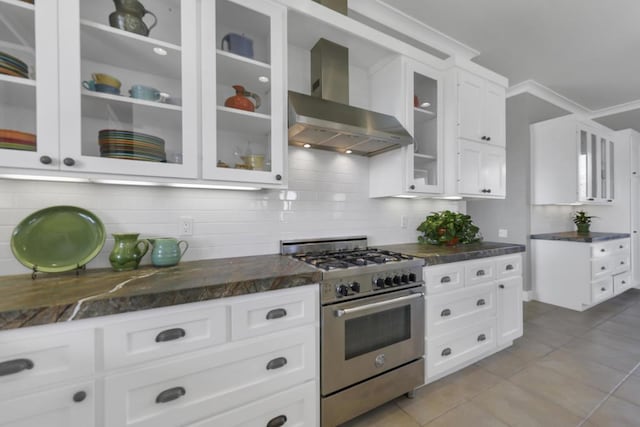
[
  {"x": 388, "y": 281},
  {"x": 412, "y": 277},
  {"x": 379, "y": 283},
  {"x": 355, "y": 287},
  {"x": 404, "y": 278},
  {"x": 342, "y": 290},
  {"x": 396, "y": 280}
]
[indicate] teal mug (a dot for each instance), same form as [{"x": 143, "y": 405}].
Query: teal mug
[
  {"x": 147, "y": 93},
  {"x": 167, "y": 251}
]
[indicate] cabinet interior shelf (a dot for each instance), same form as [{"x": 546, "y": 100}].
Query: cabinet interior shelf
[
  {"x": 129, "y": 100},
  {"x": 234, "y": 69},
  {"x": 234, "y": 120},
  {"x": 424, "y": 156},
  {"x": 18, "y": 92},
  {"x": 17, "y": 29},
  {"x": 104, "y": 44},
  {"x": 423, "y": 115}
]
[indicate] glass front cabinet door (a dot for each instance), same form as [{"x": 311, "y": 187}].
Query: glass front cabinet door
[
  {"x": 595, "y": 166},
  {"x": 28, "y": 84},
  {"x": 129, "y": 87},
  {"x": 243, "y": 91}
]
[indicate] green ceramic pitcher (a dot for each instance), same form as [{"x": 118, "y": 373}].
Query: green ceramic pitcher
[
  {"x": 167, "y": 251},
  {"x": 127, "y": 251}
]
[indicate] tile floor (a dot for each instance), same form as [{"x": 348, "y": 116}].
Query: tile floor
[{"x": 568, "y": 369}]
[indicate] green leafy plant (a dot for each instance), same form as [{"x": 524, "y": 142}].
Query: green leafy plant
[
  {"x": 448, "y": 228},
  {"x": 582, "y": 221}
]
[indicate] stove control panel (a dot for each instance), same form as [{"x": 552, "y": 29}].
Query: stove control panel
[{"x": 360, "y": 285}]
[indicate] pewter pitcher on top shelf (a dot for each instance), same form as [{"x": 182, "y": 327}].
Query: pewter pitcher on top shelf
[{"x": 128, "y": 16}]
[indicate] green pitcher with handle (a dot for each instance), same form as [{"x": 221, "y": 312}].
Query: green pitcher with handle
[
  {"x": 167, "y": 251},
  {"x": 127, "y": 251}
]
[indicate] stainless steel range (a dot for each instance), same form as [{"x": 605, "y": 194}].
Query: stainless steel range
[{"x": 372, "y": 324}]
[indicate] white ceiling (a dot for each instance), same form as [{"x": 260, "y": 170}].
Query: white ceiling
[{"x": 586, "y": 50}]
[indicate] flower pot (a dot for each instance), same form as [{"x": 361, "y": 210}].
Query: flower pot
[{"x": 583, "y": 228}]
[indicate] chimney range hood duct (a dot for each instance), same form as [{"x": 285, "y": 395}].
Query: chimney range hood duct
[{"x": 324, "y": 119}]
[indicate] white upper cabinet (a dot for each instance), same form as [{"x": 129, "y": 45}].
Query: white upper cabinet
[
  {"x": 481, "y": 109},
  {"x": 578, "y": 154},
  {"x": 418, "y": 168},
  {"x": 482, "y": 170},
  {"x": 243, "y": 51},
  {"x": 28, "y": 101},
  {"x": 148, "y": 125}
]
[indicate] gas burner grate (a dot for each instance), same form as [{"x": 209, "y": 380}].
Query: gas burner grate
[{"x": 332, "y": 260}]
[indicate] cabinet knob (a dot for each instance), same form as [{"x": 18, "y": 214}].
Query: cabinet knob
[
  {"x": 68, "y": 161},
  {"x": 488, "y": 190},
  {"x": 501, "y": 286},
  {"x": 278, "y": 421},
  {"x": 79, "y": 396},
  {"x": 488, "y": 138},
  {"x": 603, "y": 268},
  {"x": 603, "y": 289},
  {"x": 412, "y": 187},
  {"x": 624, "y": 282},
  {"x": 484, "y": 138},
  {"x": 45, "y": 160},
  {"x": 602, "y": 250},
  {"x": 278, "y": 177}
]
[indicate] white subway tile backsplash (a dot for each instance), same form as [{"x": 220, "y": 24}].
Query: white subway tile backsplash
[{"x": 327, "y": 196}]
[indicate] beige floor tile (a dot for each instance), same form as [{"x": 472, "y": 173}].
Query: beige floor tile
[
  {"x": 614, "y": 342},
  {"x": 585, "y": 371},
  {"x": 467, "y": 414},
  {"x": 517, "y": 407},
  {"x": 630, "y": 390},
  {"x": 566, "y": 392},
  {"x": 545, "y": 336},
  {"x": 384, "y": 416},
  {"x": 503, "y": 364},
  {"x": 528, "y": 349},
  {"x": 616, "y": 412},
  {"x": 615, "y": 327},
  {"x": 587, "y": 349}
]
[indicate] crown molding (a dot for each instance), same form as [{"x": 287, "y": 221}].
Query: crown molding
[{"x": 534, "y": 88}]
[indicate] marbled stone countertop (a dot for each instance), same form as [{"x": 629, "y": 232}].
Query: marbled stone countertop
[
  {"x": 444, "y": 254},
  {"x": 54, "y": 298},
  {"x": 573, "y": 236}
]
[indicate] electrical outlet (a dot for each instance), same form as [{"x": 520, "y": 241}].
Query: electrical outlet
[
  {"x": 185, "y": 226},
  {"x": 503, "y": 232},
  {"x": 404, "y": 221}
]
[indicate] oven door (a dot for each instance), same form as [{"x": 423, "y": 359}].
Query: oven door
[{"x": 366, "y": 337}]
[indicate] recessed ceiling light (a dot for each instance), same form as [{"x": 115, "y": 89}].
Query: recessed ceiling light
[
  {"x": 307, "y": 145},
  {"x": 263, "y": 79},
  {"x": 425, "y": 104},
  {"x": 348, "y": 151},
  {"x": 160, "y": 51}
]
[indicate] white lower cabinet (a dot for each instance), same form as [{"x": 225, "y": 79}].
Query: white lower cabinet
[
  {"x": 240, "y": 361},
  {"x": 474, "y": 318}
]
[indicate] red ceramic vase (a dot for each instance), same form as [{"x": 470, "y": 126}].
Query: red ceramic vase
[{"x": 239, "y": 100}]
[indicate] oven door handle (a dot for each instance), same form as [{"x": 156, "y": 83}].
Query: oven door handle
[{"x": 345, "y": 311}]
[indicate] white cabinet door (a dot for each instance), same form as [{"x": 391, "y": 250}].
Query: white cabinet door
[
  {"x": 231, "y": 135},
  {"x": 509, "y": 309},
  {"x": 494, "y": 118},
  {"x": 481, "y": 170},
  {"x": 470, "y": 98},
  {"x": 112, "y": 132},
  {"x": 493, "y": 171},
  {"x": 69, "y": 406},
  {"x": 470, "y": 168}
]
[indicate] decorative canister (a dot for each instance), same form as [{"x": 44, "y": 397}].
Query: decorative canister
[
  {"x": 167, "y": 251},
  {"x": 127, "y": 251},
  {"x": 240, "y": 100}
]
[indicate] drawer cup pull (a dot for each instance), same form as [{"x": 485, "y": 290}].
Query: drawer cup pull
[
  {"x": 621, "y": 262},
  {"x": 603, "y": 268},
  {"x": 446, "y": 352},
  {"x": 624, "y": 283},
  {"x": 445, "y": 279},
  {"x": 79, "y": 396},
  {"x": 509, "y": 267},
  {"x": 171, "y": 394},
  {"x": 480, "y": 273},
  {"x": 15, "y": 366},
  {"x": 480, "y": 302},
  {"x": 278, "y": 421},
  {"x": 446, "y": 312},
  {"x": 482, "y": 337},
  {"x": 602, "y": 250},
  {"x": 277, "y": 363},
  {"x": 621, "y": 246},
  {"x": 170, "y": 335},
  {"x": 276, "y": 313},
  {"x": 501, "y": 286}
]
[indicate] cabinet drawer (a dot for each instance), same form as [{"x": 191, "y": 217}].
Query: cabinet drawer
[
  {"x": 509, "y": 266},
  {"x": 479, "y": 271},
  {"x": 601, "y": 289},
  {"x": 163, "y": 334},
  {"x": 454, "y": 349},
  {"x": 461, "y": 308},
  {"x": 295, "y": 407},
  {"x": 61, "y": 407},
  {"x": 41, "y": 358},
  {"x": 621, "y": 262},
  {"x": 601, "y": 267},
  {"x": 621, "y": 282},
  {"x": 444, "y": 278},
  {"x": 275, "y": 311},
  {"x": 210, "y": 382},
  {"x": 621, "y": 245}
]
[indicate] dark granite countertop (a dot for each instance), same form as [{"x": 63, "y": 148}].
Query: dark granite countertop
[
  {"x": 573, "y": 236},
  {"x": 444, "y": 254},
  {"x": 54, "y": 298}
]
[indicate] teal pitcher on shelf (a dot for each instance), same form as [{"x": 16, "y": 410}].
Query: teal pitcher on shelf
[
  {"x": 167, "y": 251},
  {"x": 127, "y": 251}
]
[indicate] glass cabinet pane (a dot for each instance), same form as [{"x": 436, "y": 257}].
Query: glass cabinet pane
[
  {"x": 425, "y": 130},
  {"x": 583, "y": 167},
  {"x": 611, "y": 172},
  {"x": 593, "y": 168}
]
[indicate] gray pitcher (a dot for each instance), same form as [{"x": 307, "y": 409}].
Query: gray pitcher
[{"x": 128, "y": 17}]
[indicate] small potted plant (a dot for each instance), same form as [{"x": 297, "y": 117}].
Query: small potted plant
[
  {"x": 582, "y": 221},
  {"x": 448, "y": 228}
]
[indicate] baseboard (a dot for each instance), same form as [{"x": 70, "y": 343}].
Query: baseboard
[{"x": 527, "y": 295}]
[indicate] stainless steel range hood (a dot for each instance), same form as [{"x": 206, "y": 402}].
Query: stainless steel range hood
[{"x": 324, "y": 119}]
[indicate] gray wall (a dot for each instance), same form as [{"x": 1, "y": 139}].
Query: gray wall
[{"x": 513, "y": 213}]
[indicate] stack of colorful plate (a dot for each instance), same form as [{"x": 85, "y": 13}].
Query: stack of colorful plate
[
  {"x": 12, "y": 66},
  {"x": 17, "y": 140},
  {"x": 124, "y": 144}
]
